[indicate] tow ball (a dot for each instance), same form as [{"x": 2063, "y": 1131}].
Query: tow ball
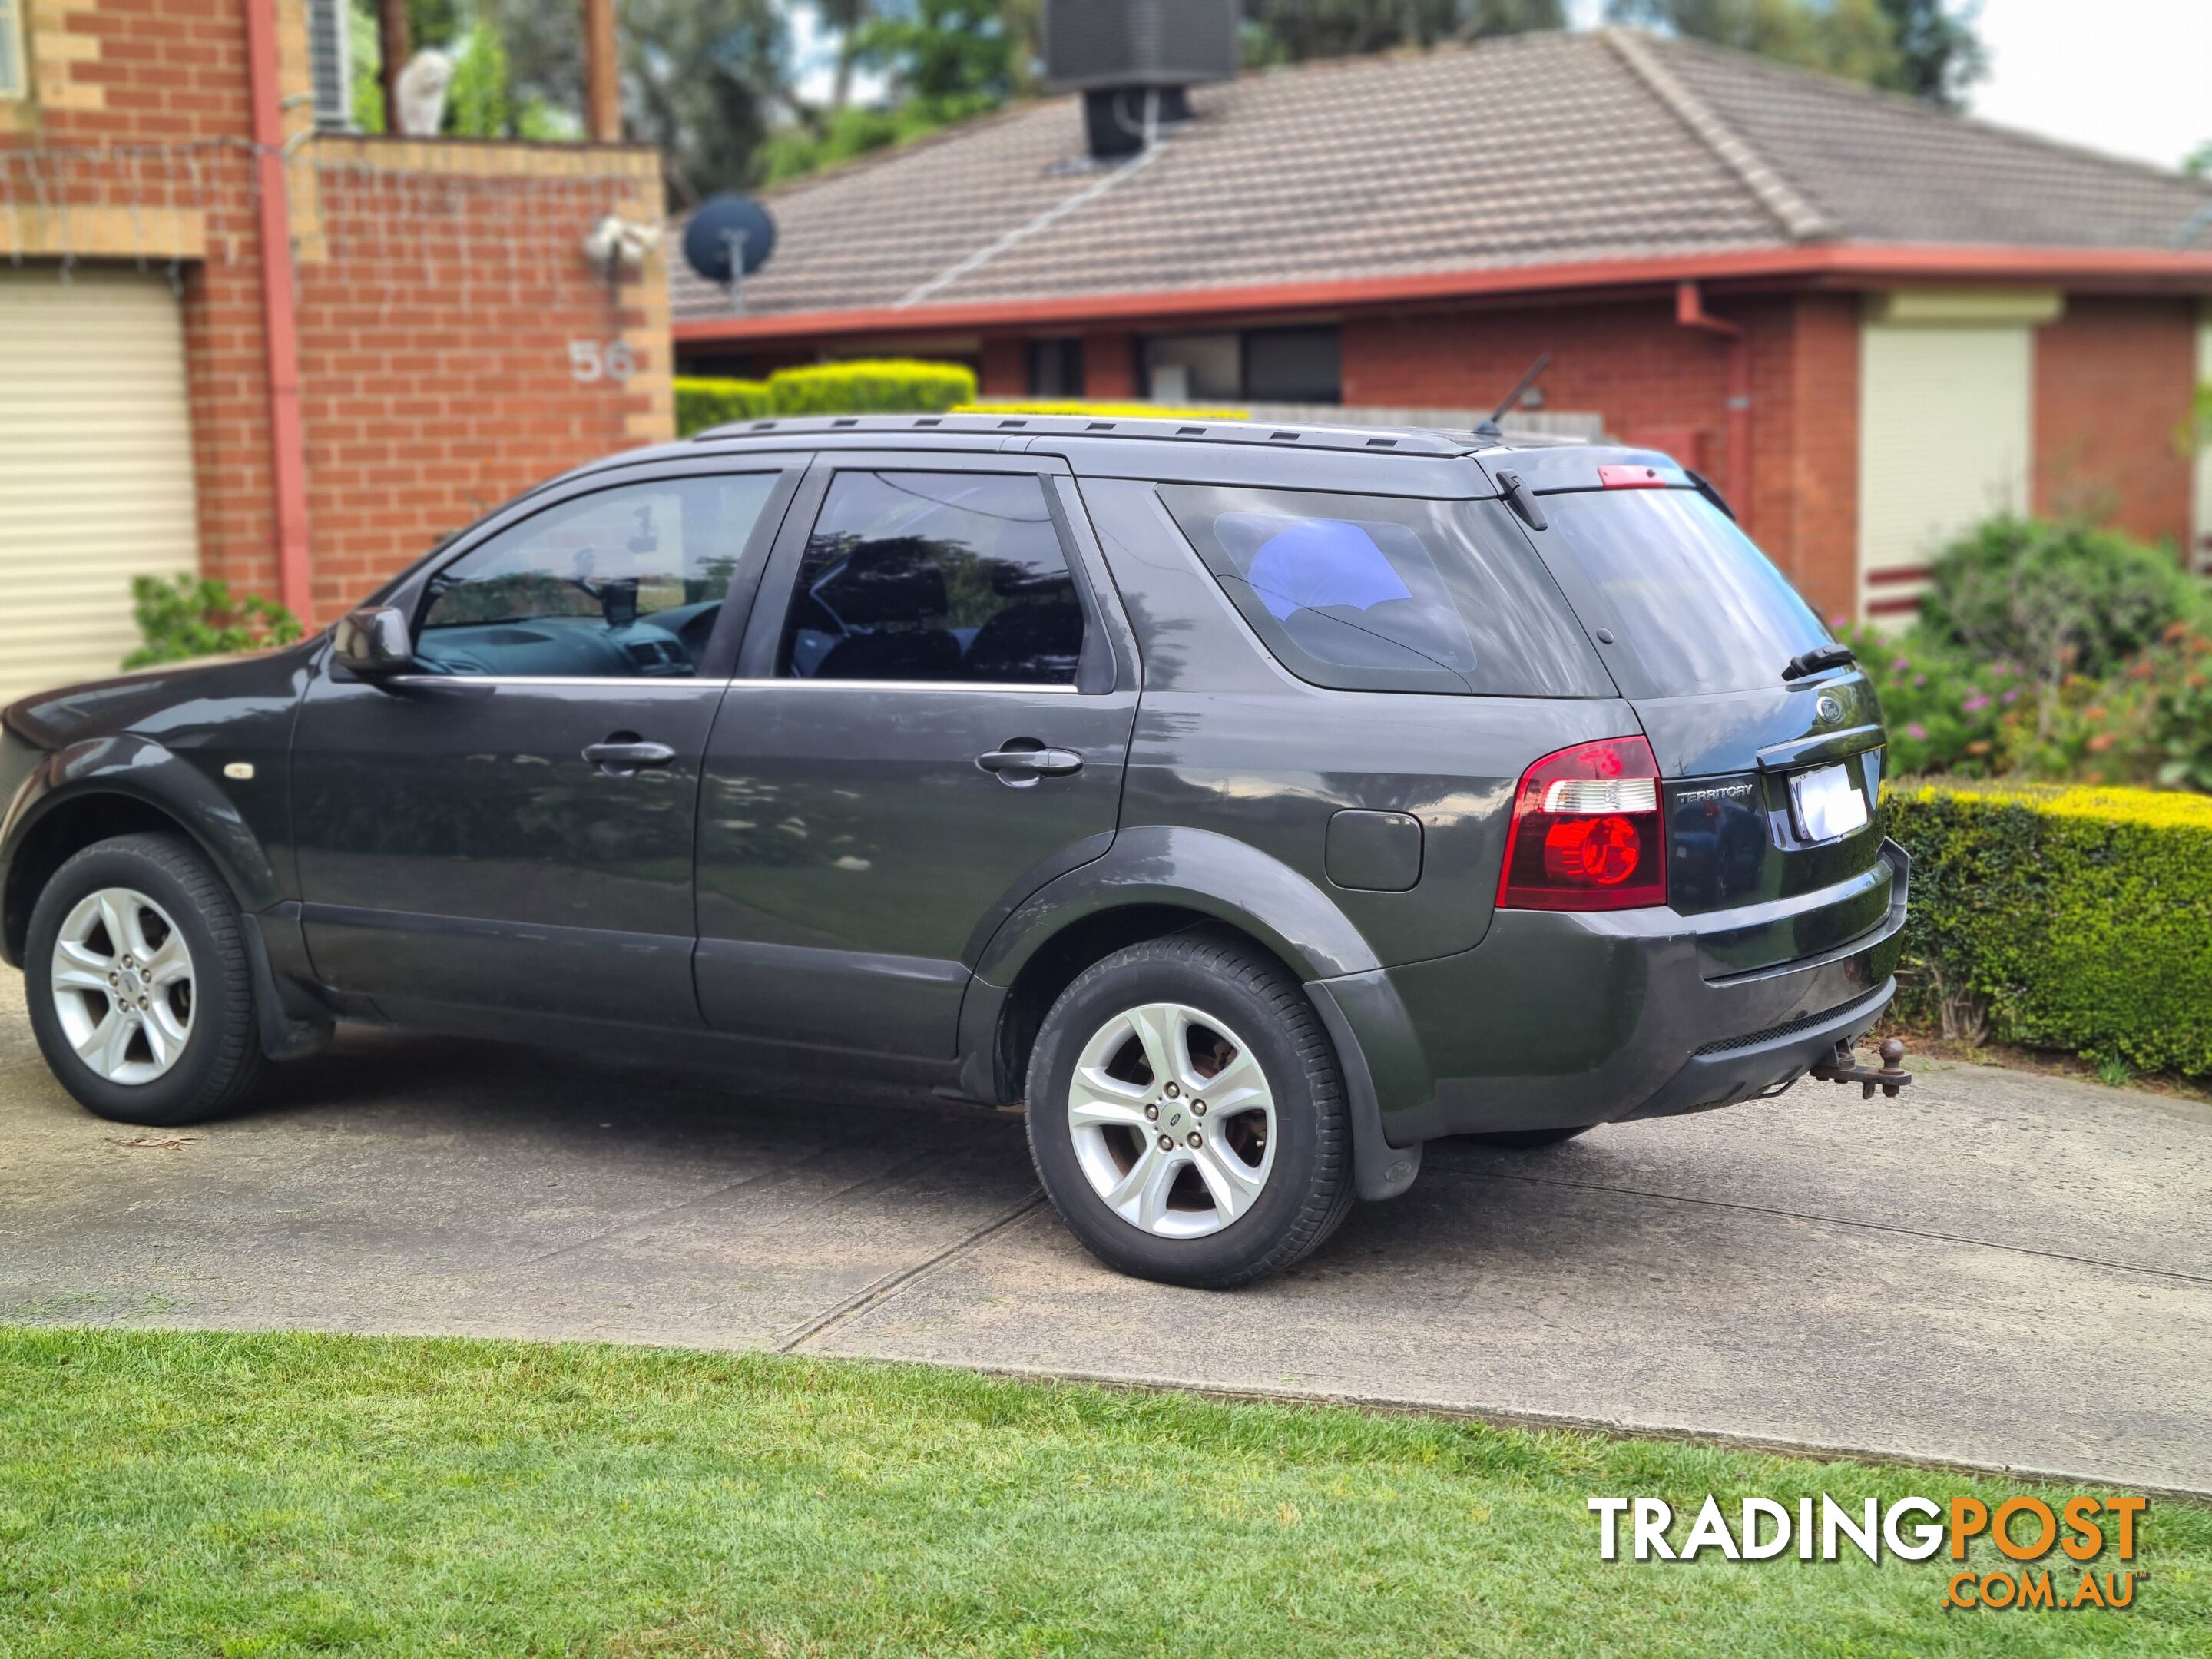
[{"x": 1843, "y": 1067}]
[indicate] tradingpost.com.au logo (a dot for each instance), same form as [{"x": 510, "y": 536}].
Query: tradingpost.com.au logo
[{"x": 2049, "y": 1557}]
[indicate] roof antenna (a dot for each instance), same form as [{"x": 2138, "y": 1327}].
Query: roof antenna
[
  {"x": 1520, "y": 390},
  {"x": 1489, "y": 428}
]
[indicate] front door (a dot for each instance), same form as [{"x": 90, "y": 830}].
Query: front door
[
  {"x": 512, "y": 827},
  {"x": 933, "y": 724}
]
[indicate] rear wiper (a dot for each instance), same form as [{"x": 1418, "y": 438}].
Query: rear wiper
[{"x": 1813, "y": 661}]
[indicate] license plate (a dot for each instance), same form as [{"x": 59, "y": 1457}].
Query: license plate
[{"x": 1827, "y": 802}]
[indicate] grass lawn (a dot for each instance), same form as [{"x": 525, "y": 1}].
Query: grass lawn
[{"x": 232, "y": 1495}]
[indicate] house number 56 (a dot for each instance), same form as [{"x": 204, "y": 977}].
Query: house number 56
[{"x": 589, "y": 361}]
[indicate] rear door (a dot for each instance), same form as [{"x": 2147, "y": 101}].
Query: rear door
[
  {"x": 931, "y": 721},
  {"x": 1772, "y": 782}
]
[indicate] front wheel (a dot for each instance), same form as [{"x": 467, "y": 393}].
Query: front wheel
[
  {"x": 1187, "y": 1115},
  {"x": 140, "y": 989}
]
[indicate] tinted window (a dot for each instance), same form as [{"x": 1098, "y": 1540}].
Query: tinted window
[
  {"x": 622, "y": 584},
  {"x": 1370, "y": 593},
  {"x": 1699, "y": 604},
  {"x": 934, "y": 577}
]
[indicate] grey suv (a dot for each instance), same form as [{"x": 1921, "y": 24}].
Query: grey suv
[{"x": 1256, "y": 805}]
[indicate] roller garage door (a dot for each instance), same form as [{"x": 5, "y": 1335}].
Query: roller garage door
[{"x": 95, "y": 465}]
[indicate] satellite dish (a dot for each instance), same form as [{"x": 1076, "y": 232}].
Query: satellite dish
[{"x": 728, "y": 237}]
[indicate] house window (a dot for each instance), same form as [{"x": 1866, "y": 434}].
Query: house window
[
  {"x": 1055, "y": 368},
  {"x": 1293, "y": 366},
  {"x": 330, "y": 58},
  {"x": 1260, "y": 365},
  {"x": 11, "y": 49},
  {"x": 1182, "y": 369}
]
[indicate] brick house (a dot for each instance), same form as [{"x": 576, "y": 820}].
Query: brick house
[
  {"x": 236, "y": 337},
  {"x": 1869, "y": 321}
]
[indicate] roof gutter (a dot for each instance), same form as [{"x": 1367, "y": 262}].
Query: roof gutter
[{"x": 1840, "y": 264}]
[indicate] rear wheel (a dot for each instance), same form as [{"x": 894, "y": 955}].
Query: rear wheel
[
  {"x": 140, "y": 991},
  {"x": 1187, "y": 1115}
]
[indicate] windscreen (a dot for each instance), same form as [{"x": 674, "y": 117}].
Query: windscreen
[
  {"x": 1701, "y": 606},
  {"x": 1379, "y": 594}
]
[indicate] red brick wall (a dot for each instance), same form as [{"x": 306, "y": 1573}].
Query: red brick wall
[
  {"x": 1655, "y": 381},
  {"x": 438, "y": 293},
  {"x": 1109, "y": 367},
  {"x": 1004, "y": 371},
  {"x": 2113, "y": 379},
  {"x": 434, "y": 353}
]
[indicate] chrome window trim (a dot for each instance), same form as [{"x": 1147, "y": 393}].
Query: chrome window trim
[{"x": 675, "y": 683}]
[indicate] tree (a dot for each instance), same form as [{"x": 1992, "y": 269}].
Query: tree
[
  {"x": 953, "y": 58},
  {"x": 1851, "y": 40},
  {"x": 1294, "y": 31},
  {"x": 1939, "y": 55},
  {"x": 2198, "y": 164}
]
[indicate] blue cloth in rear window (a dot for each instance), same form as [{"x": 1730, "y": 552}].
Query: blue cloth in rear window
[
  {"x": 1320, "y": 561},
  {"x": 1370, "y": 593},
  {"x": 1361, "y": 593}
]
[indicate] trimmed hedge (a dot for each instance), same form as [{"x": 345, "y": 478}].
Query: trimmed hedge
[
  {"x": 889, "y": 387},
  {"x": 702, "y": 403},
  {"x": 1099, "y": 410},
  {"x": 2079, "y": 918},
  {"x": 871, "y": 388}
]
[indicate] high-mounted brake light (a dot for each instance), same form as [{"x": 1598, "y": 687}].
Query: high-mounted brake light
[
  {"x": 1586, "y": 832},
  {"x": 1641, "y": 477}
]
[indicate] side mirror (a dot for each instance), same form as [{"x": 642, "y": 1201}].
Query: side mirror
[{"x": 371, "y": 643}]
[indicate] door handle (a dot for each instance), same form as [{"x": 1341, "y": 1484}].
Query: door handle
[
  {"x": 1026, "y": 765},
  {"x": 622, "y": 756}
]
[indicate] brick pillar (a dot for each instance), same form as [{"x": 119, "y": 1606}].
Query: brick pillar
[
  {"x": 1110, "y": 367},
  {"x": 1005, "y": 368}
]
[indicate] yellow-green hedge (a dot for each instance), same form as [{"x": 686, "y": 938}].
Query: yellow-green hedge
[
  {"x": 2081, "y": 917},
  {"x": 1103, "y": 411},
  {"x": 892, "y": 386},
  {"x": 702, "y": 403}
]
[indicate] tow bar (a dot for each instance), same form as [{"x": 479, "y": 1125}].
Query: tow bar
[{"x": 1843, "y": 1067}]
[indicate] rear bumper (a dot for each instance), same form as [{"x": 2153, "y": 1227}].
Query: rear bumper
[{"x": 1558, "y": 1020}]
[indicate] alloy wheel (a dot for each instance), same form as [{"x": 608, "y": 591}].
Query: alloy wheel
[
  {"x": 1173, "y": 1120},
  {"x": 123, "y": 986}
]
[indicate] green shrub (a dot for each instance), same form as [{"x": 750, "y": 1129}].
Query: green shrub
[
  {"x": 2075, "y": 919},
  {"x": 2055, "y": 598},
  {"x": 186, "y": 617},
  {"x": 702, "y": 403},
  {"x": 2150, "y": 723},
  {"x": 889, "y": 387}
]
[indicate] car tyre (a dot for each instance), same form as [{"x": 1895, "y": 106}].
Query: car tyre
[
  {"x": 194, "y": 1051},
  {"x": 1276, "y": 1177}
]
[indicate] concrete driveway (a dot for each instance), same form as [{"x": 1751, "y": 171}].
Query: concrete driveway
[{"x": 2000, "y": 1269}]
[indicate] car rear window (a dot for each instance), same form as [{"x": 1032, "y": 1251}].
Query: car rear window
[
  {"x": 1698, "y": 604},
  {"x": 1381, "y": 594}
]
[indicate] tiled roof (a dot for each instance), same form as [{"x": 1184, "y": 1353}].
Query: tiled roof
[{"x": 1533, "y": 150}]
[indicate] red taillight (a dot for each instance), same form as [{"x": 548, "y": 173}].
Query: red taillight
[{"x": 1586, "y": 834}]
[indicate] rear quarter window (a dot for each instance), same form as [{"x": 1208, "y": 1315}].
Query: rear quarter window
[{"x": 1386, "y": 593}]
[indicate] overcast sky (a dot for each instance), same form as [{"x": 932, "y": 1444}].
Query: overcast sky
[{"x": 2130, "y": 76}]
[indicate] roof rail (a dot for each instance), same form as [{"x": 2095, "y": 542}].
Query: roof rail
[{"x": 1407, "y": 440}]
